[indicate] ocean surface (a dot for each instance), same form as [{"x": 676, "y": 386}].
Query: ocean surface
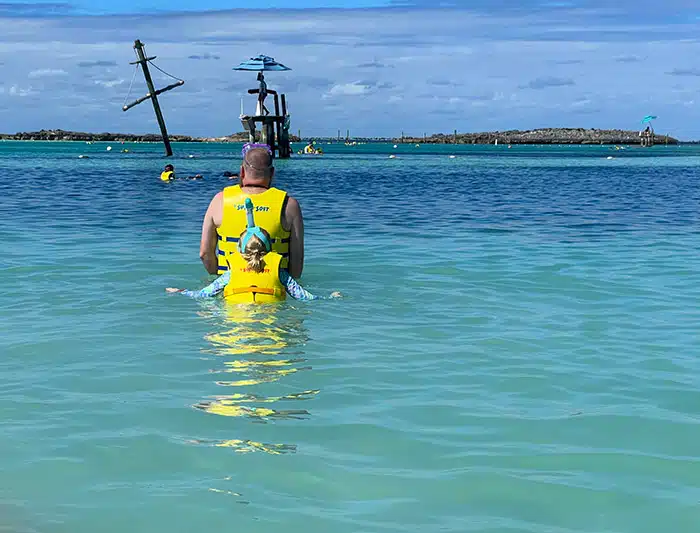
[{"x": 517, "y": 349}]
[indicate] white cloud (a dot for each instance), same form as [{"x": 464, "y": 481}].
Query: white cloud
[
  {"x": 47, "y": 73},
  {"x": 582, "y": 102},
  {"x": 109, "y": 83},
  {"x": 475, "y": 58},
  {"x": 355, "y": 88},
  {"x": 16, "y": 90}
]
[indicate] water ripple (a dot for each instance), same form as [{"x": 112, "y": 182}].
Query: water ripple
[{"x": 516, "y": 351}]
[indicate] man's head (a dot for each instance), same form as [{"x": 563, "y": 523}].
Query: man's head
[
  {"x": 257, "y": 169},
  {"x": 169, "y": 168}
]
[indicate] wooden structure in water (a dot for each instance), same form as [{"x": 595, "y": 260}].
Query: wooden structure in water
[
  {"x": 152, "y": 93},
  {"x": 274, "y": 129}
]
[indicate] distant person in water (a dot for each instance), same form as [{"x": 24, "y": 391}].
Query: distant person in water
[
  {"x": 168, "y": 174},
  {"x": 254, "y": 274}
]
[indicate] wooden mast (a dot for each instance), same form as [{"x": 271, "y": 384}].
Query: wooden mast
[{"x": 152, "y": 93}]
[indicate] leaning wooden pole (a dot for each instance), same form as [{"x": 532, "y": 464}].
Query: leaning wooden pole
[{"x": 138, "y": 45}]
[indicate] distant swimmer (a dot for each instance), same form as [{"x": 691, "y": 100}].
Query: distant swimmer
[
  {"x": 255, "y": 273},
  {"x": 230, "y": 175},
  {"x": 168, "y": 173},
  {"x": 310, "y": 149}
]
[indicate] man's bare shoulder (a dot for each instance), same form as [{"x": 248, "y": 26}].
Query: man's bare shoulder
[
  {"x": 217, "y": 203},
  {"x": 293, "y": 207},
  {"x": 292, "y": 212},
  {"x": 216, "y": 208}
]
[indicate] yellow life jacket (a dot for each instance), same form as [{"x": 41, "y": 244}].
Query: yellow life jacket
[
  {"x": 167, "y": 175},
  {"x": 268, "y": 215},
  {"x": 247, "y": 286}
]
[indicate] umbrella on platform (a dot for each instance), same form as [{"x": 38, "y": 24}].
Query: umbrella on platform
[
  {"x": 648, "y": 119},
  {"x": 260, "y": 63}
]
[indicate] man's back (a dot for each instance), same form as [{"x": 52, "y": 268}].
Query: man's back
[{"x": 255, "y": 176}]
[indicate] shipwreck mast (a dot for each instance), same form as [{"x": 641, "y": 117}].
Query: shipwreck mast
[{"x": 152, "y": 93}]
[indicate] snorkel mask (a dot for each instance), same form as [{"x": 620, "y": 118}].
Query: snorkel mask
[
  {"x": 252, "y": 230},
  {"x": 247, "y": 147}
]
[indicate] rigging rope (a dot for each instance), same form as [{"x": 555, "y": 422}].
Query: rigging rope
[
  {"x": 136, "y": 70},
  {"x": 156, "y": 66},
  {"x": 173, "y": 77},
  {"x": 131, "y": 84}
]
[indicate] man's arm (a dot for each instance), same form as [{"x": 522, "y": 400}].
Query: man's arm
[
  {"x": 295, "y": 222},
  {"x": 207, "y": 245}
]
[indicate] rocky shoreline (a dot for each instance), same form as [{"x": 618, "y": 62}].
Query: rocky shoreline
[
  {"x": 538, "y": 136},
  {"x": 541, "y": 136},
  {"x": 63, "y": 135}
]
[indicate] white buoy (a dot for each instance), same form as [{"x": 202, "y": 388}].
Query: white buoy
[
  {"x": 82, "y": 157},
  {"x": 392, "y": 156},
  {"x": 610, "y": 157},
  {"x": 452, "y": 156},
  {"x": 396, "y": 146},
  {"x": 109, "y": 148},
  {"x": 191, "y": 156}
]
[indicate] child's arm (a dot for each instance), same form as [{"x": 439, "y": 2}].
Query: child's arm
[
  {"x": 296, "y": 291},
  {"x": 214, "y": 288}
]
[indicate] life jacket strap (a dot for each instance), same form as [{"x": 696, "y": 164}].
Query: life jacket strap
[{"x": 258, "y": 290}]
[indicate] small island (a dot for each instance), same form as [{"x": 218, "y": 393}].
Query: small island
[
  {"x": 541, "y": 136},
  {"x": 63, "y": 135},
  {"x": 538, "y": 136}
]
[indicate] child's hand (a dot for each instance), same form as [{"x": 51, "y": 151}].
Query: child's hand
[
  {"x": 336, "y": 294},
  {"x": 172, "y": 289}
]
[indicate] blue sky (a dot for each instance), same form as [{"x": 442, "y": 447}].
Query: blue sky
[{"x": 375, "y": 68}]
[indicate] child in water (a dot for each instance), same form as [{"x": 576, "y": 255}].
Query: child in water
[{"x": 254, "y": 274}]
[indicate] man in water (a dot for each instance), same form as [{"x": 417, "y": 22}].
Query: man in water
[{"x": 275, "y": 210}]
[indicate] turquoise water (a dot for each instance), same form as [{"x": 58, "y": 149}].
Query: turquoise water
[{"x": 517, "y": 349}]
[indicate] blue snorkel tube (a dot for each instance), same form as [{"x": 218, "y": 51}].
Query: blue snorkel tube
[
  {"x": 252, "y": 229},
  {"x": 249, "y": 212}
]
